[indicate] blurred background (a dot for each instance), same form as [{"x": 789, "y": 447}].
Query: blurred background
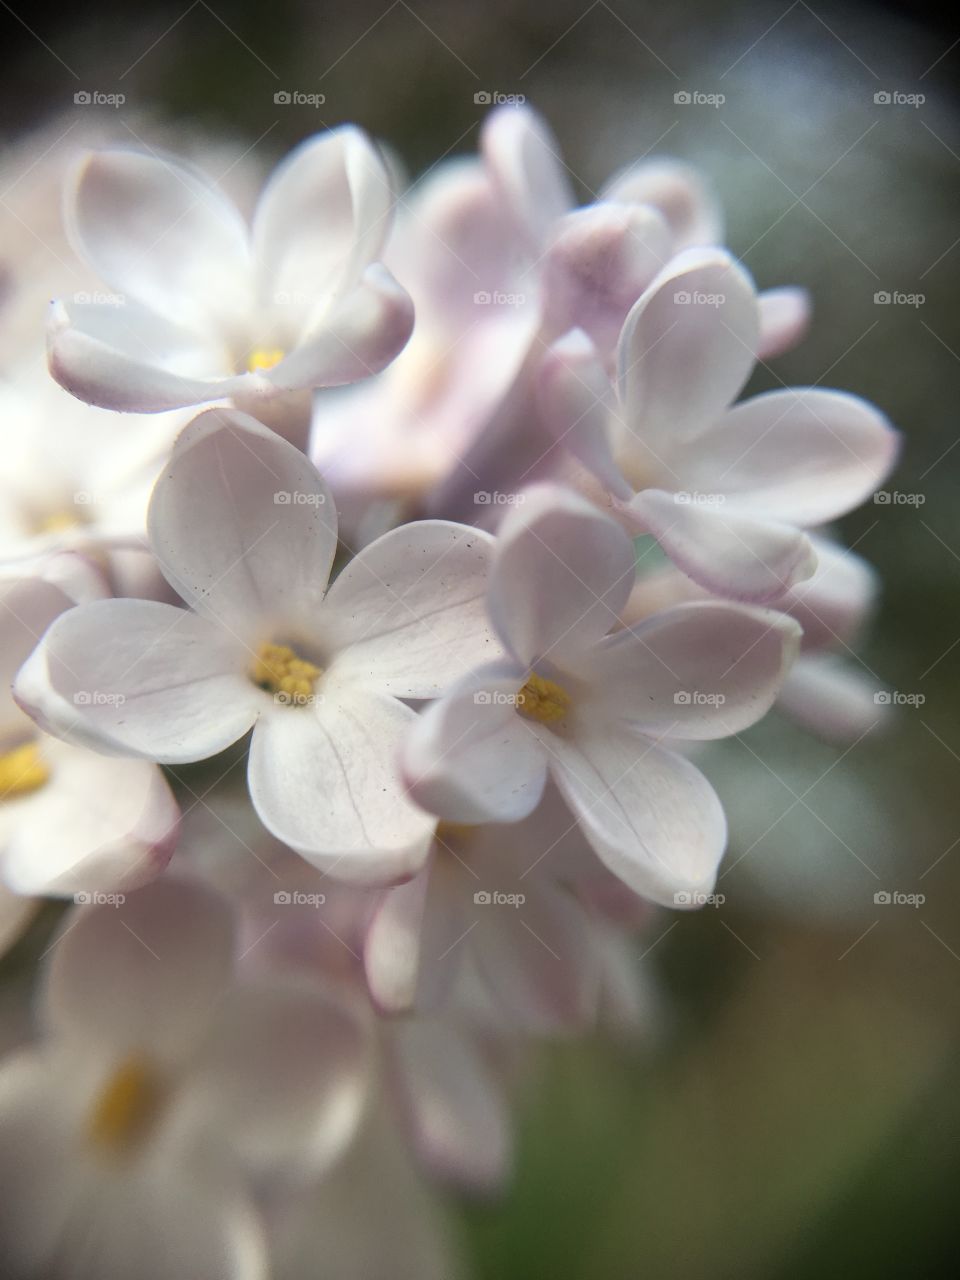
[{"x": 796, "y": 1111}]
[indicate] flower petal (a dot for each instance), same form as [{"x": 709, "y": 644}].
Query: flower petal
[
  {"x": 728, "y": 551},
  {"x": 650, "y": 815},
  {"x": 409, "y": 611},
  {"x": 470, "y": 757},
  {"x": 686, "y": 349},
  {"x": 99, "y": 824},
  {"x": 784, "y": 319},
  {"x": 562, "y": 574},
  {"x": 243, "y": 525},
  {"x": 832, "y": 699},
  {"x": 458, "y": 1120},
  {"x": 678, "y": 192},
  {"x": 695, "y": 671},
  {"x": 801, "y": 455},
  {"x": 159, "y": 231},
  {"x": 323, "y": 217},
  {"x": 283, "y": 1072},
  {"x": 140, "y": 678},
  {"x": 325, "y": 781},
  {"x": 574, "y": 396},
  {"x": 524, "y": 161},
  {"x": 141, "y": 975}
]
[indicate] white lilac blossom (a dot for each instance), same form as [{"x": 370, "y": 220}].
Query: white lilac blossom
[
  {"x": 71, "y": 821},
  {"x": 204, "y": 307},
  {"x": 727, "y": 491},
  {"x": 591, "y": 709},
  {"x": 245, "y": 530},
  {"x": 159, "y": 1090}
]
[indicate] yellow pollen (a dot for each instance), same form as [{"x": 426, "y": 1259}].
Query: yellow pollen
[
  {"x": 59, "y": 522},
  {"x": 543, "y": 700},
  {"x": 280, "y": 671},
  {"x": 264, "y": 358},
  {"x": 452, "y": 832},
  {"x": 21, "y": 771},
  {"x": 125, "y": 1107}
]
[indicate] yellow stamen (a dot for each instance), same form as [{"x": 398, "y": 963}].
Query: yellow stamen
[
  {"x": 59, "y": 522},
  {"x": 452, "y": 832},
  {"x": 125, "y": 1107},
  {"x": 543, "y": 700},
  {"x": 21, "y": 771},
  {"x": 280, "y": 671},
  {"x": 264, "y": 358}
]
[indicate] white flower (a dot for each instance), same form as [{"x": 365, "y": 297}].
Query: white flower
[
  {"x": 244, "y": 528},
  {"x": 71, "y": 821},
  {"x": 158, "y": 1090},
  {"x": 591, "y": 709},
  {"x": 726, "y": 491},
  {"x": 203, "y": 308}
]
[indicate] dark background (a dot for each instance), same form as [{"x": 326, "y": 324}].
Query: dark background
[{"x": 796, "y": 1111}]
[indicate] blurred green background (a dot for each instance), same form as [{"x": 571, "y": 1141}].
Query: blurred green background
[{"x": 796, "y": 1110}]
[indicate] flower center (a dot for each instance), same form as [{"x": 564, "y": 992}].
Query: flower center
[
  {"x": 264, "y": 358},
  {"x": 542, "y": 699},
  {"x": 125, "y": 1107},
  {"x": 281, "y": 671},
  {"x": 21, "y": 771}
]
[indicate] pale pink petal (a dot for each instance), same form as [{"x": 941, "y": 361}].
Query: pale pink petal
[
  {"x": 144, "y": 974},
  {"x": 598, "y": 264},
  {"x": 696, "y": 671},
  {"x": 728, "y": 551},
  {"x": 98, "y": 824},
  {"x": 458, "y": 1122},
  {"x": 676, "y": 190},
  {"x": 325, "y": 781},
  {"x": 650, "y": 815},
  {"x": 524, "y": 160},
  {"x": 833, "y": 606},
  {"x": 140, "y": 678},
  {"x": 562, "y": 574},
  {"x": 243, "y": 525},
  {"x": 470, "y": 757},
  {"x": 409, "y": 611},
  {"x": 118, "y": 358},
  {"x": 392, "y": 950},
  {"x": 800, "y": 455},
  {"x": 158, "y": 231},
  {"x": 784, "y": 319},
  {"x": 355, "y": 339},
  {"x": 323, "y": 217},
  {"x": 833, "y": 699},
  {"x": 27, "y": 607},
  {"x": 574, "y": 399},
  {"x": 686, "y": 349},
  {"x": 283, "y": 1073}
]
